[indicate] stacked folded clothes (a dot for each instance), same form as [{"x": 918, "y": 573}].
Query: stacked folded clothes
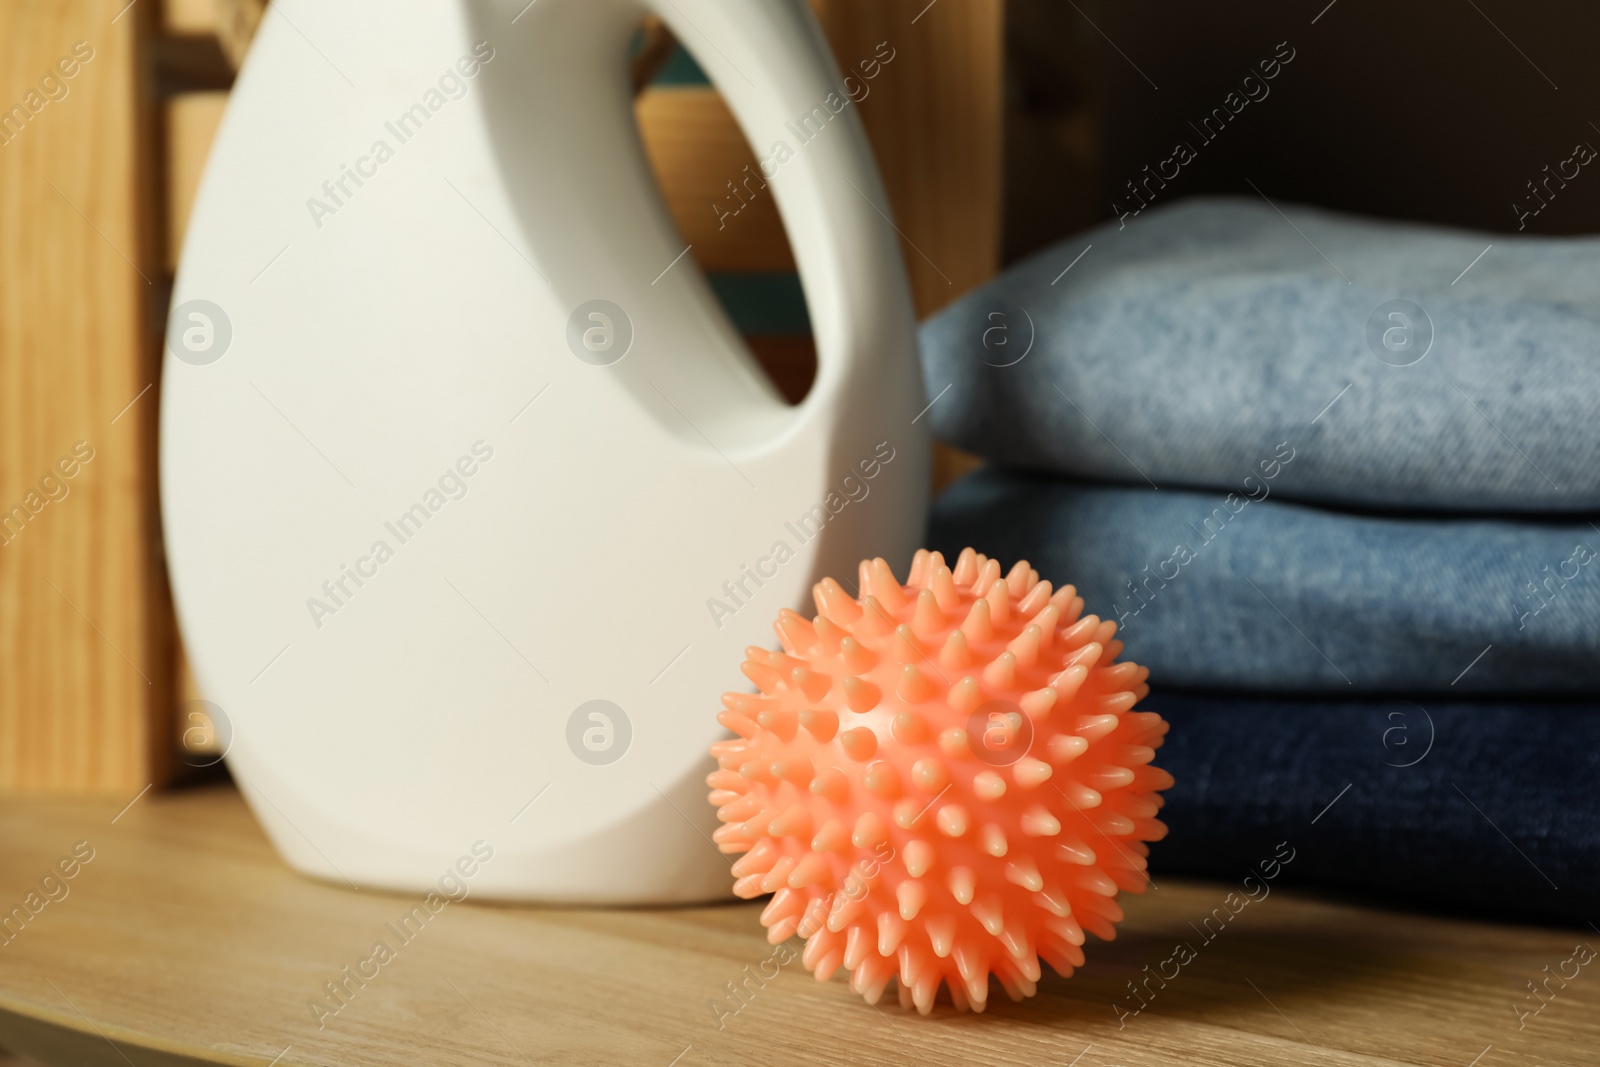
[{"x": 1339, "y": 482}]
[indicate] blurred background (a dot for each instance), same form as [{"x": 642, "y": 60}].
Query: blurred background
[
  {"x": 1009, "y": 126},
  {"x": 1000, "y": 126}
]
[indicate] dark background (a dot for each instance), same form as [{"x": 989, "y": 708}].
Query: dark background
[{"x": 1407, "y": 109}]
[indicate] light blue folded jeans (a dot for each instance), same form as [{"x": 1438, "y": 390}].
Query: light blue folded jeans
[
  {"x": 1411, "y": 367},
  {"x": 1240, "y": 590}
]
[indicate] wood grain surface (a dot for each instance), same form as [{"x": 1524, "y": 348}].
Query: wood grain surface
[
  {"x": 935, "y": 119},
  {"x": 84, "y": 621},
  {"x": 933, "y": 114},
  {"x": 192, "y": 120},
  {"x": 189, "y": 16},
  {"x": 698, "y": 152},
  {"x": 184, "y": 940}
]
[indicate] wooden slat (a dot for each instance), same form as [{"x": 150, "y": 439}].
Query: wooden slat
[
  {"x": 192, "y": 120},
  {"x": 935, "y": 119},
  {"x": 189, "y": 17},
  {"x": 934, "y": 116},
  {"x": 84, "y": 620},
  {"x": 697, "y": 151}
]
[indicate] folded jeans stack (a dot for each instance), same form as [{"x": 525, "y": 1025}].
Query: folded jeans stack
[{"x": 1322, "y": 471}]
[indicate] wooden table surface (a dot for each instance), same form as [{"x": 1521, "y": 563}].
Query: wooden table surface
[{"x": 185, "y": 941}]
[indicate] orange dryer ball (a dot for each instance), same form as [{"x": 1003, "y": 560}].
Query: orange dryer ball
[{"x": 940, "y": 781}]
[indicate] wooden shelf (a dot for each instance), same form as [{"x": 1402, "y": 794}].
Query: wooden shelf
[{"x": 185, "y": 941}]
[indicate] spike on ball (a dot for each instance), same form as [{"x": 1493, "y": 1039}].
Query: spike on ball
[{"x": 942, "y": 782}]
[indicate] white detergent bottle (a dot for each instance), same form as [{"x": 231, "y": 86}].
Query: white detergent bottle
[{"x": 472, "y": 495}]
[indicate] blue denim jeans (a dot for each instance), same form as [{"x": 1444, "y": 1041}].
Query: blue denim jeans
[
  {"x": 1189, "y": 341},
  {"x": 1491, "y": 809},
  {"x": 1240, "y": 590}
]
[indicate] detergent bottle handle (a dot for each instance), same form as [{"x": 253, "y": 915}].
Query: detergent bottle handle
[
  {"x": 560, "y": 108},
  {"x": 775, "y": 69}
]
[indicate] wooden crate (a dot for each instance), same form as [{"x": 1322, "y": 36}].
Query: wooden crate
[
  {"x": 94, "y": 200},
  {"x": 85, "y": 624}
]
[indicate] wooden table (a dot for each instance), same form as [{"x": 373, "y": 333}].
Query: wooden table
[{"x": 185, "y": 941}]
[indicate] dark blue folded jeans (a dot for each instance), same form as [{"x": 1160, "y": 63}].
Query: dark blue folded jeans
[
  {"x": 1488, "y": 809},
  {"x": 1241, "y": 590},
  {"x": 1411, "y": 367}
]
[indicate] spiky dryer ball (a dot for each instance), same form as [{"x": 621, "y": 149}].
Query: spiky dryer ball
[{"x": 940, "y": 781}]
